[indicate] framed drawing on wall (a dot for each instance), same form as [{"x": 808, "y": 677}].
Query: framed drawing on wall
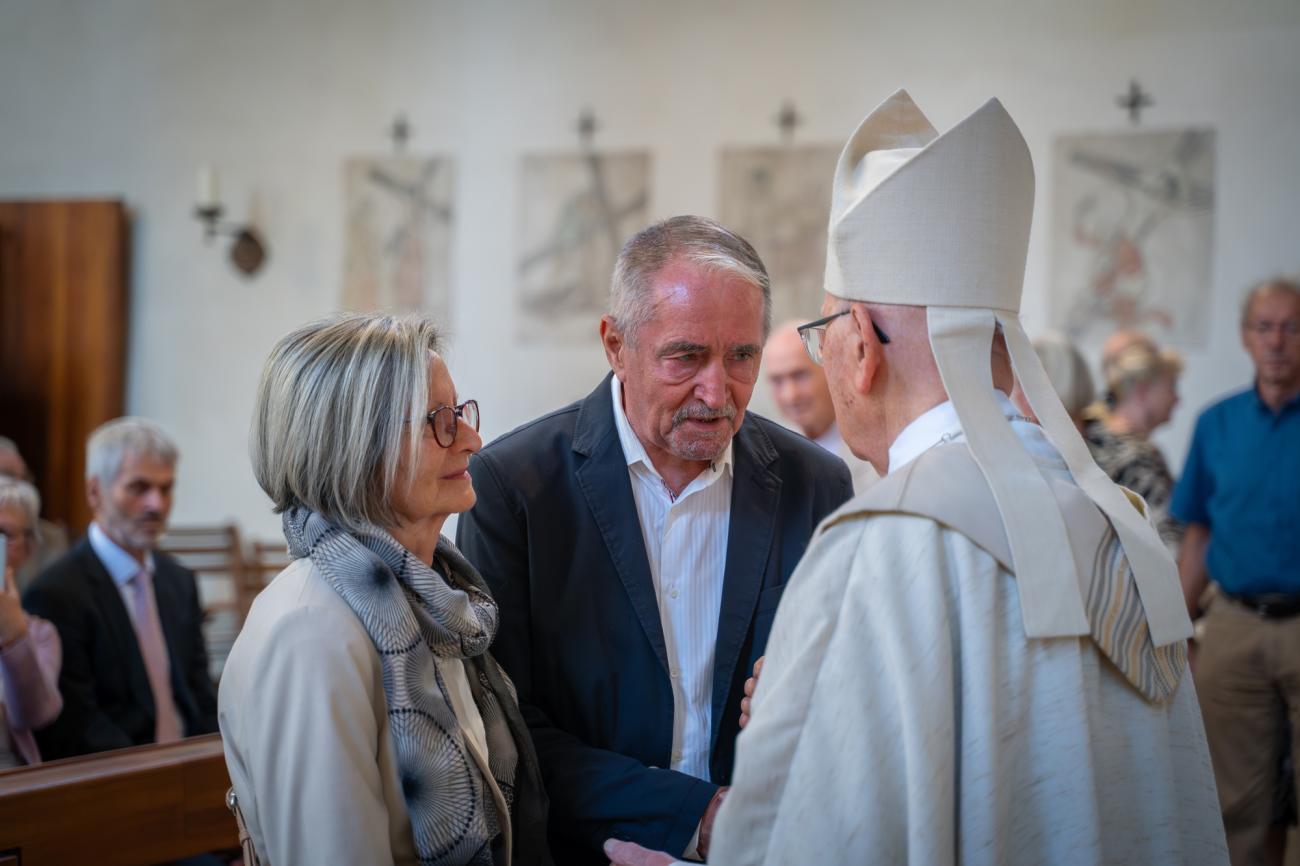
[
  {"x": 575, "y": 212},
  {"x": 777, "y": 198},
  {"x": 1133, "y": 234},
  {"x": 398, "y": 234}
]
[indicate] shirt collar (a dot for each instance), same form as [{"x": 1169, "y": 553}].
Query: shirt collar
[
  {"x": 634, "y": 452},
  {"x": 941, "y": 424},
  {"x": 1288, "y": 406},
  {"x": 121, "y": 566}
]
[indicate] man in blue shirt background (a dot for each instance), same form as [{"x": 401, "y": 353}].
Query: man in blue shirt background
[{"x": 1240, "y": 497}]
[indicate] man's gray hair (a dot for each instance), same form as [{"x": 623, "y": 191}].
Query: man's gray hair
[
  {"x": 1289, "y": 285},
  {"x": 338, "y": 402},
  {"x": 111, "y": 442},
  {"x": 696, "y": 239},
  {"x": 8, "y": 446},
  {"x": 20, "y": 494},
  {"x": 1067, "y": 371}
]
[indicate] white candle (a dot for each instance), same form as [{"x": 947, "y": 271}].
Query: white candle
[{"x": 207, "y": 185}]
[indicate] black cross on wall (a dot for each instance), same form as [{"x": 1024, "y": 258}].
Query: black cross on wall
[{"x": 1134, "y": 101}]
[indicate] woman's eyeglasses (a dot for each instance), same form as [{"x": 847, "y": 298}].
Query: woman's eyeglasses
[{"x": 445, "y": 420}]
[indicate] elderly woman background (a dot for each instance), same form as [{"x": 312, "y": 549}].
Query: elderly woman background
[
  {"x": 1141, "y": 393},
  {"x": 364, "y": 719},
  {"x": 30, "y": 653}
]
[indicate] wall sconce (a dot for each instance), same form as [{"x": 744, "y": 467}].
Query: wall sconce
[{"x": 247, "y": 251}]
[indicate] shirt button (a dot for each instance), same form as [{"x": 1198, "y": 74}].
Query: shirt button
[
  {"x": 673, "y": 593},
  {"x": 674, "y": 673},
  {"x": 677, "y": 756}
]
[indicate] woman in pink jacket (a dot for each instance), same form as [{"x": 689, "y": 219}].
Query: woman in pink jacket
[{"x": 30, "y": 652}]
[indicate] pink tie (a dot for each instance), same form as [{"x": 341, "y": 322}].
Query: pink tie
[{"x": 148, "y": 631}]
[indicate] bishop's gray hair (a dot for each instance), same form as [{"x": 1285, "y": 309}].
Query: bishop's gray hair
[
  {"x": 697, "y": 239},
  {"x": 334, "y": 411},
  {"x": 111, "y": 442}
]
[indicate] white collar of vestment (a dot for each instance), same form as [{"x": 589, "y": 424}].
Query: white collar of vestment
[
  {"x": 639, "y": 461},
  {"x": 940, "y": 425},
  {"x": 120, "y": 565}
]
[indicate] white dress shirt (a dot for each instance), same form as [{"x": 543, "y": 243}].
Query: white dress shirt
[{"x": 686, "y": 544}]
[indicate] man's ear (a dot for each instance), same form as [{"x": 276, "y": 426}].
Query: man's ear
[
  {"x": 93, "y": 492},
  {"x": 611, "y": 337},
  {"x": 865, "y": 350}
]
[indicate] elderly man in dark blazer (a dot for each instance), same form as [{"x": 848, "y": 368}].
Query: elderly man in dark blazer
[
  {"x": 638, "y": 542},
  {"x": 135, "y": 668}
]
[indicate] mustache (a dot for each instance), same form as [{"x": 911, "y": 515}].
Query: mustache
[{"x": 701, "y": 412}]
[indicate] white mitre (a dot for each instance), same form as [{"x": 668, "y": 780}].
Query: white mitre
[{"x": 942, "y": 221}]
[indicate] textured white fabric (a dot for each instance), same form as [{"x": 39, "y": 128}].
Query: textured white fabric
[
  {"x": 686, "y": 545},
  {"x": 903, "y": 716},
  {"x": 947, "y": 227},
  {"x": 863, "y": 473}
]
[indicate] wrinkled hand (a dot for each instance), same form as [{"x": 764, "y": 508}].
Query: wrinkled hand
[
  {"x": 750, "y": 685},
  {"x": 13, "y": 621},
  {"x": 632, "y": 854}
]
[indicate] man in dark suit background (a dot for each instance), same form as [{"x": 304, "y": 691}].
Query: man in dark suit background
[
  {"x": 135, "y": 668},
  {"x": 638, "y": 542}
]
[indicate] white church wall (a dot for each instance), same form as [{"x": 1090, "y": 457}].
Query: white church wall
[{"x": 127, "y": 98}]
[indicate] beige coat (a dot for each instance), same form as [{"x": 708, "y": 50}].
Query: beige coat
[{"x": 305, "y": 727}]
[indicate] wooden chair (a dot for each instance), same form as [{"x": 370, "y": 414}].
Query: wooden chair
[
  {"x": 267, "y": 559},
  {"x": 216, "y": 555}
]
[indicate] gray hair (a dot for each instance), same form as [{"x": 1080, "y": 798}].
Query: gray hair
[
  {"x": 8, "y": 445},
  {"x": 1288, "y": 285},
  {"x": 699, "y": 240},
  {"x": 334, "y": 411},
  {"x": 111, "y": 442},
  {"x": 14, "y": 492},
  {"x": 1067, "y": 371}
]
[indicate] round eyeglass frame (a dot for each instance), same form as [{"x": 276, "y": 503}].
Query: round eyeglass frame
[{"x": 467, "y": 410}]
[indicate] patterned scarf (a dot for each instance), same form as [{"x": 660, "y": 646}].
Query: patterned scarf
[{"x": 413, "y": 613}]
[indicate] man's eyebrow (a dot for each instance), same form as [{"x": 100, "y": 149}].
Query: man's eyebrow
[
  {"x": 678, "y": 347},
  {"x": 752, "y": 348}
]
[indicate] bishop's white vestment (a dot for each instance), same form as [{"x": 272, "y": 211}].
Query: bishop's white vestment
[{"x": 903, "y": 716}]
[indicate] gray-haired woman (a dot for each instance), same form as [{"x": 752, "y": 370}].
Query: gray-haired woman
[{"x": 364, "y": 720}]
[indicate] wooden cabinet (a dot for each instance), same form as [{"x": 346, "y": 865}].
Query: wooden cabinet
[{"x": 63, "y": 332}]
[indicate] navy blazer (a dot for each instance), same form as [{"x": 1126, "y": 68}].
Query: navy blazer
[
  {"x": 555, "y": 533},
  {"x": 107, "y": 699}
]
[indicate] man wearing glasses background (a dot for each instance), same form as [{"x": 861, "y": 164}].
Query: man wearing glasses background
[
  {"x": 1240, "y": 496},
  {"x": 638, "y": 543}
]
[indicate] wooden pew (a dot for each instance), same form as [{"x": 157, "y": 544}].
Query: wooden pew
[{"x": 147, "y": 804}]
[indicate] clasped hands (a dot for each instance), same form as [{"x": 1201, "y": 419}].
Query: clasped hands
[{"x": 622, "y": 853}]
